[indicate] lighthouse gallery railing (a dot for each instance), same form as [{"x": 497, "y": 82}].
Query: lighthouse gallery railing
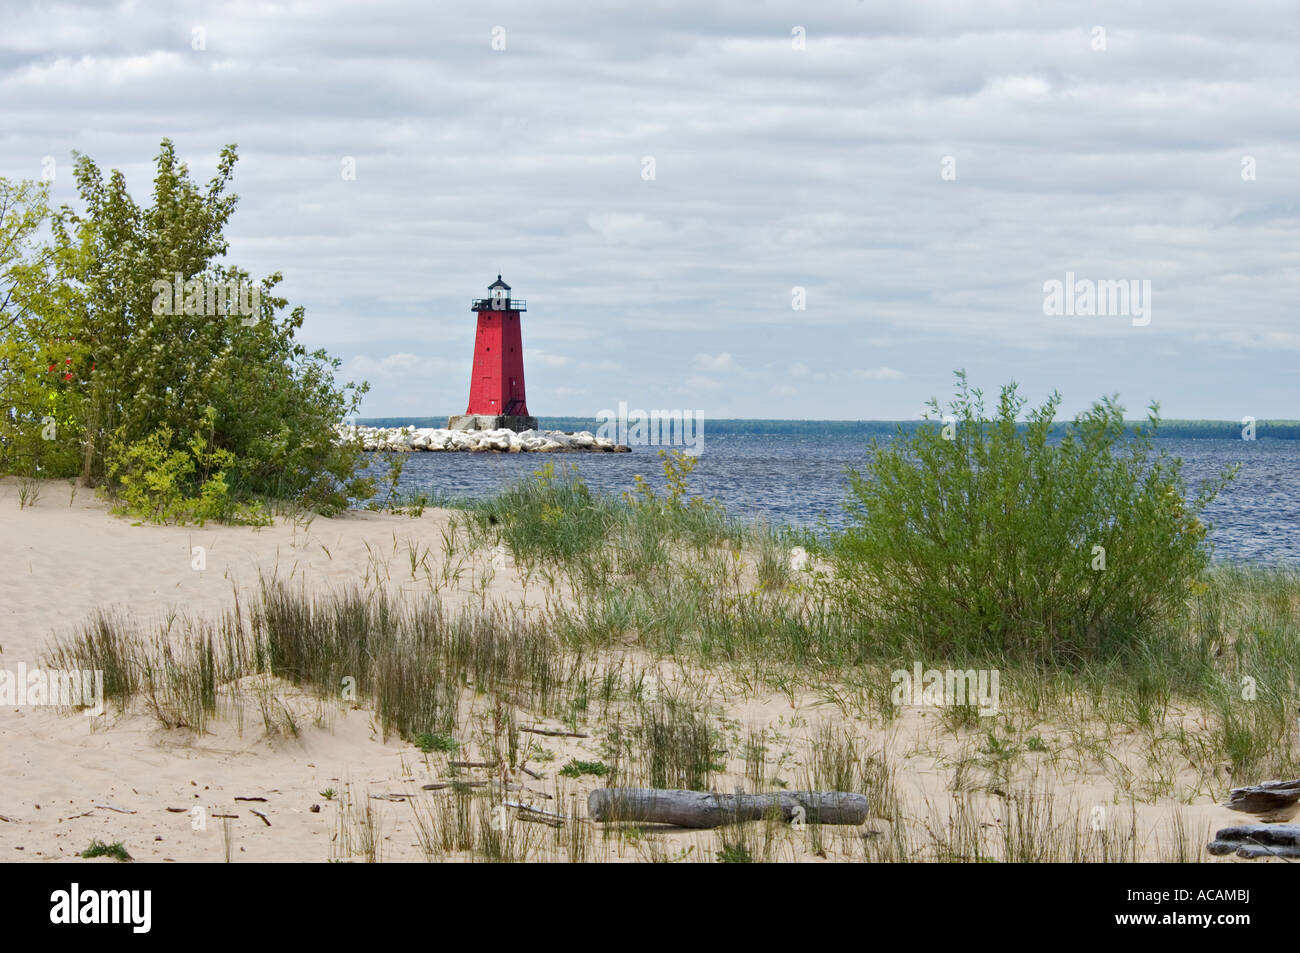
[{"x": 508, "y": 304}]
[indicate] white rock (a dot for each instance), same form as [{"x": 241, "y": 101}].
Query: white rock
[{"x": 402, "y": 439}]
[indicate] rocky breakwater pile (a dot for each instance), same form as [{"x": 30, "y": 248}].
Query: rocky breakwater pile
[{"x": 405, "y": 439}]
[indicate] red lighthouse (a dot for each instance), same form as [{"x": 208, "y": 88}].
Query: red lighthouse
[{"x": 496, "y": 385}]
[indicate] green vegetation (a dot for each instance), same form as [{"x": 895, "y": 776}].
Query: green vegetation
[
  {"x": 993, "y": 541},
  {"x": 681, "y": 746},
  {"x": 551, "y": 517},
  {"x": 576, "y": 769},
  {"x": 184, "y": 406},
  {"x": 554, "y": 521},
  {"x": 98, "y": 848},
  {"x": 152, "y": 480},
  {"x": 394, "y": 501},
  {"x": 428, "y": 742},
  {"x": 734, "y": 852}
]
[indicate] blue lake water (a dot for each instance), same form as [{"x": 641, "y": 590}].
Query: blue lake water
[{"x": 799, "y": 480}]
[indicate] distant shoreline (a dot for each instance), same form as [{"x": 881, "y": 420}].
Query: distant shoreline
[{"x": 1169, "y": 429}]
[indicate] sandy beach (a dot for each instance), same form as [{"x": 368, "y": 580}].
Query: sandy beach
[
  {"x": 67, "y": 556},
  {"x": 122, "y": 777}
]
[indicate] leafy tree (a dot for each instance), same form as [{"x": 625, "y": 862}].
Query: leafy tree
[
  {"x": 35, "y": 407},
  {"x": 160, "y": 360}
]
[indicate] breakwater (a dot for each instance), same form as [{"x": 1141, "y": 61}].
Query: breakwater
[{"x": 440, "y": 439}]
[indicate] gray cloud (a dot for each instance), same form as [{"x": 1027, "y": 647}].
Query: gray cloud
[{"x": 775, "y": 168}]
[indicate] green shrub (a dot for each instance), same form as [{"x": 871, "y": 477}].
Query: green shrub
[
  {"x": 990, "y": 538},
  {"x": 158, "y": 483},
  {"x": 112, "y": 379},
  {"x": 576, "y": 769},
  {"x": 98, "y": 848},
  {"x": 428, "y": 742}
]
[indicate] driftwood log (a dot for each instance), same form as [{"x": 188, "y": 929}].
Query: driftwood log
[
  {"x": 1272, "y": 801},
  {"x": 1258, "y": 840},
  {"x": 702, "y": 809}
]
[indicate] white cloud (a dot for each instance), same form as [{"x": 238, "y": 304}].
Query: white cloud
[
  {"x": 400, "y": 364},
  {"x": 723, "y": 363},
  {"x": 879, "y": 374}
]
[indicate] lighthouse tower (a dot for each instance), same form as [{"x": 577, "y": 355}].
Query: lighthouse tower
[{"x": 496, "y": 385}]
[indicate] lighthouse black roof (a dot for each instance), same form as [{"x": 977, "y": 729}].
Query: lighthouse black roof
[{"x": 499, "y": 301}]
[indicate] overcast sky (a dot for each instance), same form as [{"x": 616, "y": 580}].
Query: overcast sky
[{"x": 794, "y": 145}]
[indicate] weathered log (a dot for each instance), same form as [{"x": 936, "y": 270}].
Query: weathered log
[
  {"x": 1272, "y": 801},
  {"x": 1257, "y": 840},
  {"x": 703, "y": 809}
]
